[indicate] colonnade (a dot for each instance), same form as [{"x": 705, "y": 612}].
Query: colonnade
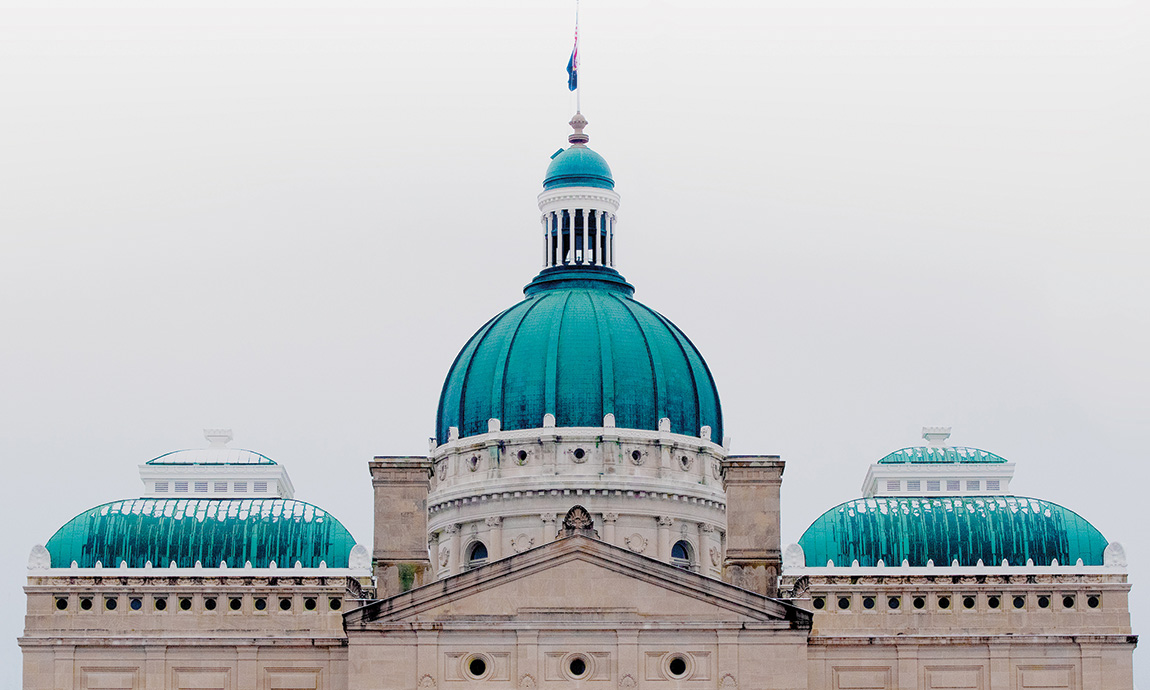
[{"x": 578, "y": 236}]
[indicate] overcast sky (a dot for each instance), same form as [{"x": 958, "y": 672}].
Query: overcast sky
[{"x": 287, "y": 217}]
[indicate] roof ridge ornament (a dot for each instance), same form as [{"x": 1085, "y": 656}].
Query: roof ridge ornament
[
  {"x": 578, "y": 122},
  {"x": 936, "y": 435},
  {"x": 218, "y": 438}
]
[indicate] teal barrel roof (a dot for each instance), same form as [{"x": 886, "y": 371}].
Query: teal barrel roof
[
  {"x": 928, "y": 455},
  {"x": 962, "y": 528},
  {"x": 209, "y": 531},
  {"x": 578, "y": 166},
  {"x": 579, "y": 347},
  {"x": 212, "y": 456}
]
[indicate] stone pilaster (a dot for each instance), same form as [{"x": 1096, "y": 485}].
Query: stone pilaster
[
  {"x": 753, "y": 558},
  {"x": 400, "y": 553}
]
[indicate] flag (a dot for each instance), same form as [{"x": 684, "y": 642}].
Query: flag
[{"x": 573, "y": 65}]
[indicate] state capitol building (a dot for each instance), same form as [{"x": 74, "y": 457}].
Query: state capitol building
[{"x": 578, "y": 523}]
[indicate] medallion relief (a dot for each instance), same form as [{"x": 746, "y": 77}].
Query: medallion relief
[{"x": 636, "y": 542}]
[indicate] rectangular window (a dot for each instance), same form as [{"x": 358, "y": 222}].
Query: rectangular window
[
  {"x": 913, "y": 485},
  {"x": 241, "y": 487},
  {"x": 260, "y": 487},
  {"x": 952, "y": 485},
  {"x": 181, "y": 487},
  {"x": 161, "y": 487},
  {"x": 993, "y": 485},
  {"x": 892, "y": 485},
  {"x": 973, "y": 485},
  {"x": 933, "y": 485},
  {"x": 201, "y": 487},
  {"x": 220, "y": 487}
]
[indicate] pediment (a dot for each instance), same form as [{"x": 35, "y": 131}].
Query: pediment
[{"x": 576, "y": 578}]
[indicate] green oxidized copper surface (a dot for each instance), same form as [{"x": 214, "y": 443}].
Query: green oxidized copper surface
[
  {"x": 578, "y": 166},
  {"x": 926, "y": 454},
  {"x": 966, "y": 529},
  {"x": 208, "y": 531},
  {"x": 212, "y": 456},
  {"x": 579, "y": 347}
]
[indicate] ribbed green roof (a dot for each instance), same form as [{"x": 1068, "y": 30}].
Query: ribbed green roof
[
  {"x": 927, "y": 454},
  {"x": 579, "y": 347},
  {"x": 208, "y": 531},
  {"x": 963, "y": 528},
  {"x": 212, "y": 456},
  {"x": 578, "y": 166}
]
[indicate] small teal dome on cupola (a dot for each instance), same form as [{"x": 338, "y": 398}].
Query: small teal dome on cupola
[{"x": 578, "y": 166}]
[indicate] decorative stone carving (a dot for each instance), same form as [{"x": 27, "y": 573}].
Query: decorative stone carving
[
  {"x": 717, "y": 470},
  {"x": 426, "y": 683},
  {"x": 728, "y": 682},
  {"x": 444, "y": 556},
  {"x": 627, "y": 681},
  {"x": 39, "y": 559},
  {"x": 793, "y": 557},
  {"x": 636, "y": 542},
  {"x": 685, "y": 462},
  {"x": 610, "y": 517},
  {"x": 493, "y": 521},
  {"x": 473, "y": 463},
  {"x": 665, "y": 521},
  {"x": 527, "y": 682},
  {"x": 359, "y": 558},
  {"x": 451, "y": 529},
  {"x": 522, "y": 543},
  {"x": 637, "y": 457},
  {"x": 578, "y": 521},
  {"x": 716, "y": 556}
]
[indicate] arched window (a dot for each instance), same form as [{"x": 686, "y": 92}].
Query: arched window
[
  {"x": 681, "y": 555},
  {"x": 477, "y": 556}
]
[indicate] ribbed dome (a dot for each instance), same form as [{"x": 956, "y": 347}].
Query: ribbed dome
[
  {"x": 209, "y": 531},
  {"x": 578, "y": 166},
  {"x": 946, "y": 529},
  {"x": 579, "y": 347}
]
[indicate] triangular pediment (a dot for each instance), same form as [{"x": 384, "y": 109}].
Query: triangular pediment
[{"x": 577, "y": 578}]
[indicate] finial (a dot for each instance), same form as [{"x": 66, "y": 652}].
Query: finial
[
  {"x": 578, "y": 123},
  {"x": 936, "y": 435},
  {"x": 218, "y": 437}
]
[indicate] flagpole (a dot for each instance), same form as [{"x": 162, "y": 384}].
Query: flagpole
[{"x": 578, "y": 87}]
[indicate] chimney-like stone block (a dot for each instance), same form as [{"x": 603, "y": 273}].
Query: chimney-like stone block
[
  {"x": 753, "y": 558},
  {"x": 399, "y": 553}
]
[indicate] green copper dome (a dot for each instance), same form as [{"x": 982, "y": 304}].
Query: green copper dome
[
  {"x": 208, "y": 531},
  {"x": 578, "y": 166},
  {"x": 579, "y": 347},
  {"x": 928, "y": 455},
  {"x": 963, "y": 528}
]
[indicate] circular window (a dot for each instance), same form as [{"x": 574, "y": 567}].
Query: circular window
[
  {"x": 968, "y": 602},
  {"x": 677, "y": 667},
  {"x": 1067, "y": 602},
  {"x": 1093, "y": 601},
  {"x": 868, "y": 602},
  {"x": 309, "y": 603},
  {"x": 285, "y": 604},
  {"x": 844, "y": 603},
  {"x": 473, "y": 463},
  {"x": 61, "y": 603},
  {"x": 86, "y": 604},
  {"x": 161, "y": 604},
  {"x": 185, "y": 604},
  {"x": 637, "y": 457},
  {"x": 577, "y": 666},
  {"x": 893, "y": 603},
  {"x": 993, "y": 602},
  {"x": 261, "y": 603},
  {"x": 919, "y": 602},
  {"x": 477, "y": 667},
  {"x": 522, "y": 455},
  {"x": 210, "y": 603},
  {"x": 110, "y": 603},
  {"x": 579, "y": 454},
  {"x": 1019, "y": 602},
  {"x": 235, "y": 603},
  {"x": 1043, "y": 602},
  {"x": 685, "y": 463},
  {"x": 819, "y": 603},
  {"x": 335, "y": 604},
  {"x": 136, "y": 603},
  {"x": 944, "y": 602}
]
